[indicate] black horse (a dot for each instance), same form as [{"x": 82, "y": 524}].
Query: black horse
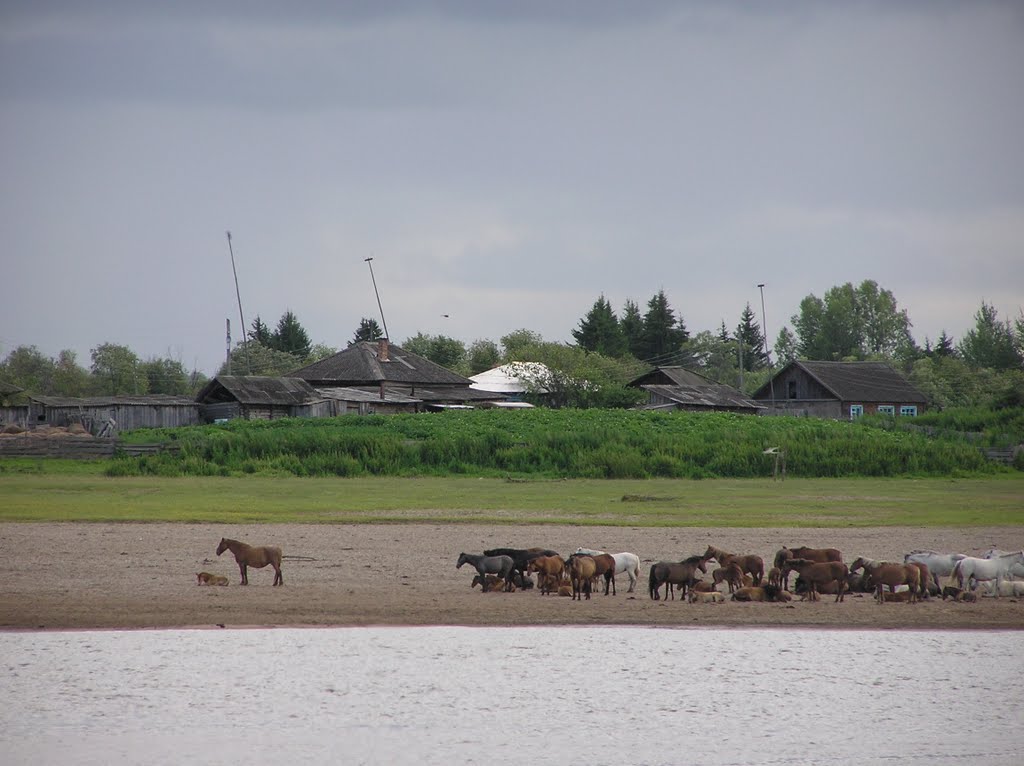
[{"x": 521, "y": 557}]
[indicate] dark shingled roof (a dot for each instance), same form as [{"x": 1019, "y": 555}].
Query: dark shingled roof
[
  {"x": 257, "y": 390},
  {"x": 359, "y": 365},
  {"x": 856, "y": 382},
  {"x": 8, "y": 388}
]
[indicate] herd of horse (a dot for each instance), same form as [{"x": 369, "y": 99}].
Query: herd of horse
[{"x": 818, "y": 571}]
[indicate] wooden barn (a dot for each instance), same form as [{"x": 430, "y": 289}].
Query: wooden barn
[
  {"x": 385, "y": 369},
  {"x": 676, "y": 388},
  {"x": 259, "y": 397},
  {"x": 840, "y": 390},
  {"x": 103, "y": 414}
]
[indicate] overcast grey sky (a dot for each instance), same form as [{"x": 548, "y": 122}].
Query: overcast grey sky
[{"x": 505, "y": 163}]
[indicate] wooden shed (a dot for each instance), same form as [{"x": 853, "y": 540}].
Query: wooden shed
[
  {"x": 121, "y": 413},
  {"x": 841, "y": 390},
  {"x": 259, "y": 397},
  {"x": 676, "y": 388}
]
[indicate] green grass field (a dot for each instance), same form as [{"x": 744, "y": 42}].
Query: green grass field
[{"x": 80, "y": 493}]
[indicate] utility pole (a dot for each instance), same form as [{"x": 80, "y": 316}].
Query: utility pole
[
  {"x": 768, "y": 356},
  {"x": 228, "y": 320},
  {"x": 381, "y": 308},
  {"x": 248, "y": 362}
]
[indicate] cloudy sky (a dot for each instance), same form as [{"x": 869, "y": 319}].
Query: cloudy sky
[{"x": 504, "y": 163}]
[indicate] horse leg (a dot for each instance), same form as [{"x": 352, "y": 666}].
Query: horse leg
[
  {"x": 278, "y": 577},
  {"x": 633, "y": 576},
  {"x": 245, "y": 576}
]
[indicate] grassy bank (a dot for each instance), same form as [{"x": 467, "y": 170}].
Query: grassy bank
[
  {"x": 566, "y": 444},
  {"x": 84, "y": 495}
]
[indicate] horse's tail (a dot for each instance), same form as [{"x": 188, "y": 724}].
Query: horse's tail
[
  {"x": 652, "y": 583},
  {"x": 956, "y": 575}
]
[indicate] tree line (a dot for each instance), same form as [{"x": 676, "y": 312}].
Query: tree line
[{"x": 848, "y": 323}]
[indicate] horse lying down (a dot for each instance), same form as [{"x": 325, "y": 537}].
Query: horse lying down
[
  {"x": 900, "y": 596},
  {"x": 492, "y": 583},
  {"x": 705, "y": 597},
  {"x": 205, "y": 578},
  {"x": 762, "y": 593}
]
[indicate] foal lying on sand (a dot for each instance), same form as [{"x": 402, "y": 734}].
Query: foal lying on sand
[{"x": 205, "y": 578}]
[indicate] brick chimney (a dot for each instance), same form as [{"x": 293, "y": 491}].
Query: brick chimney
[{"x": 382, "y": 350}]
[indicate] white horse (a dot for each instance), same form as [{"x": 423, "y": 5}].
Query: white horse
[
  {"x": 624, "y": 562},
  {"x": 997, "y": 569},
  {"x": 939, "y": 564},
  {"x": 1017, "y": 570}
]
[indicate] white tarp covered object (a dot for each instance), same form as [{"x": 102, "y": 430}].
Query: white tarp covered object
[{"x": 508, "y": 378}]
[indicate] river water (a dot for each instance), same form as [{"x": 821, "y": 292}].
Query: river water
[{"x": 460, "y": 695}]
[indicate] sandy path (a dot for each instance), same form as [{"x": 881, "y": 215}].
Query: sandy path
[{"x": 143, "y": 575}]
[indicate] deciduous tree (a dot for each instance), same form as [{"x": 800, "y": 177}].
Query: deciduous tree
[{"x": 116, "y": 370}]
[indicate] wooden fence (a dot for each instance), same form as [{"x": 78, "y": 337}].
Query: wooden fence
[{"x": 75, "y": 448}]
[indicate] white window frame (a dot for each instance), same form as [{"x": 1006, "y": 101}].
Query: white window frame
[
  {"x": 856, "y": 411},
  {"x": 908, "y": 410},
  {"x": 886, "y": 409}
]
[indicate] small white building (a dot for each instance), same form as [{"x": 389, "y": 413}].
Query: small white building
[{"x": 512, "y": 379}]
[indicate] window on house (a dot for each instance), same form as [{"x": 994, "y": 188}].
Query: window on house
[
  {"x": 910, "y": 410},
  {"x": 791, "y": 389},
  {"x": 856, "y": 410},
  {"x": 886, "y": 409}
]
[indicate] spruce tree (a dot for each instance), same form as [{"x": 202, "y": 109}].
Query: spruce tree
[{"x": 599, "y": 330}]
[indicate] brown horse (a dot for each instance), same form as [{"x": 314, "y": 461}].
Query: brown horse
[
  {"x": 885, "y": 573},
  {"x": 749, "y": 563},
  {"x": 253, "y": 556},
  {"x": 671, "y": 574},
  {"x": 605, "y": 568},
  {"x": 818, "y": 574},
  {"x": 549, "y": 571},
  {"x": 803, "y": 552},
  {"x": 731, "y": 575},
  {"x": 582, "y": 571}
]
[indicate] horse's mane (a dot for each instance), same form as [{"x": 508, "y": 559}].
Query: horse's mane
[{"x": 692, "y": 560}]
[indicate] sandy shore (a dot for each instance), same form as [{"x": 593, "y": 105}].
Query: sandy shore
[{"x": 78, "y": 575}]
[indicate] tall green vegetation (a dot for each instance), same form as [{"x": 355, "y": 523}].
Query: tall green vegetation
[{"x": 558, "y": 444}]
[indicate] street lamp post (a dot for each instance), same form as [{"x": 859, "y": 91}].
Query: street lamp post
[{"x": 767, "y": 355}]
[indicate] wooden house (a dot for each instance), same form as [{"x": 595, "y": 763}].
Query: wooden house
[
  {"x": 676, "y": 388},
  {"x": 840, "y": 390},
  {"x": 259, "y": 397},
  {"x": 385, "y": 369}
]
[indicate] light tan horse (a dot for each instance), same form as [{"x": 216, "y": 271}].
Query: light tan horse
[
  {"x": 205, "y": 578},
  {"x": 253, "y": 556}
]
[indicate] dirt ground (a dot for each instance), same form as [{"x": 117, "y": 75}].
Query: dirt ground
[{"x": 76, "y": 575}]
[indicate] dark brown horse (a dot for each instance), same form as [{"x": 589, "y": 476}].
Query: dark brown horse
[
  {"x": 253, "y": 556},
  {"x": 731, "y": 575},
  {"x": 749, "y": 563},
  {"x": 672, "y": 573},
  {"x": 803, "y": 552},
  {"x": 818, "y": 575}
]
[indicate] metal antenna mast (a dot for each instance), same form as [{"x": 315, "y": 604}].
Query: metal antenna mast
[
  {"x": 238, "y": 294},
  {"x": 381, "y": 308}
]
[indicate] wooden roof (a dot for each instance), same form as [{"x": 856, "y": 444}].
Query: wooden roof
[
  {"x": 361, "y": 364},
  {"x": 691, "y": 389},
  {"x": 140, "y": 400},
  {"x": 853, "y": 382},
  {"x": 257, "y": 390}
]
